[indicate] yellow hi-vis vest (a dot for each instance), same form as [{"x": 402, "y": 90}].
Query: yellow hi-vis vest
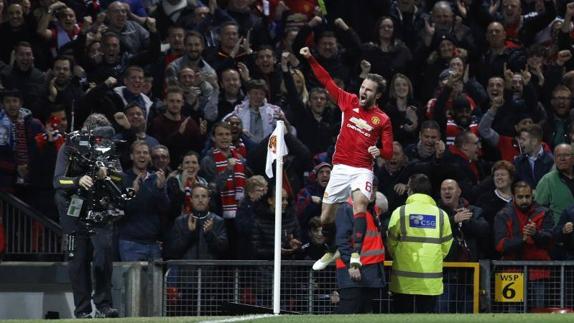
[{"x": 419, "y": 238}]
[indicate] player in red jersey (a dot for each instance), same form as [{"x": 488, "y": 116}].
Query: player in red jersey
[{"x": 362, "y": 127}]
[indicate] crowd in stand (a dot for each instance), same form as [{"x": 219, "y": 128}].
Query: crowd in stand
[{"x": 479, "y": 94}]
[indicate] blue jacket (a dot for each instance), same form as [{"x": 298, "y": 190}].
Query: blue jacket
[
  {"x": 143, "y": 213},
  {"x": 542, "y": 165}
]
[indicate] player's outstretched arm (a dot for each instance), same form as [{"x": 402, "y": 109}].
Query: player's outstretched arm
[
  {"x": 323, "y": 76},
  {"x": 387, "y": 140}
]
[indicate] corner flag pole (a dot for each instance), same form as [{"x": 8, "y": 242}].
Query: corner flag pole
[{"x": 278, "y": 219}]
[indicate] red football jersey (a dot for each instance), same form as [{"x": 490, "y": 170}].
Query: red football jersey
[{"x": 360, "y": 129}]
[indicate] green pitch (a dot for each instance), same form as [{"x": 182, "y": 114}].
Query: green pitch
[{"x": 409, "y": 318}]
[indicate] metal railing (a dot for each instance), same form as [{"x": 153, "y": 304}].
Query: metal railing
[
  {"x": 531, "y": 286},
  {"x": 29, "y": 234},
  {"x": 205, "y": 288}
]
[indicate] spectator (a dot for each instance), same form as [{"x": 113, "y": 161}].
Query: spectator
[
  {"x": 174, "y": 14},
  {"x": 467, "y": 223},
  {"x": 15, "y": 29},
  {"x": 110, "y": 100},
  {"x": 410, "y": 294},
  {"x": 180, "y": 184},
  {"x": 231, "y": 50},
  {"x": 554, "y": 189},
  {"x": 179, "y": 134},
  {"x": 160, "y": 158},
  {"x": 558, "y": 121},
  {"x": 200, "y": 96},
  {"x": 116, "y": 58},
  {"x": 308, "y": 204},
  {"x": 327, "y": 51},
  {"x": 197, "y": 235},
  {"x": 230, "y": 92},
  {"x": 314, "y": 120},
  {"x": 259, "y": 118},
  {"x": 429, "y": 146},
  {"x": 495, "y": 199},
  {"x": 255, "y": 190},
  {"x": 508, "y": 145},
  {"x": 264, "y": 229},
  {"x": 534, "y": 162},
  {"x": 240, "y": 11},
  {"x": 265, "y": 68},
  {"x": 468, "y": 228},
  {"x": 393, "y": 178},
  {"x": 453, "y": 109},
  {"x": 403, "y": 110},
  {"x": 132, "y": 128},
  {"x": 17, "y": 131},
  {"x": 65, "y": 30},
  {"x": 133, "y": 37},
  {"x": 388, "y": 55},
  {"x": 140, "y": 230},
  {"x": 463, "y": 164},
  {"x": 194, "y": 46},
  {"x": 175, "y": 39},
  {"x": 22, "y": 75},
  {"x": 564, "y": 249},
  {"x": 62, "y": 88},
  {"x": 523, "y": 231},
  {"x": 239, "y": 139},
  {"x": 224, "y": 167}
]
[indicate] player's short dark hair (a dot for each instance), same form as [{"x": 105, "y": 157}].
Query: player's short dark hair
[
  {"x": 193, "y": 33},
  {"x": 381, "y": 82},
  {"x": 420, "y": 183}
]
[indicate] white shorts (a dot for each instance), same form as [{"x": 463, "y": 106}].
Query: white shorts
[{"x": 346, "y": 179}]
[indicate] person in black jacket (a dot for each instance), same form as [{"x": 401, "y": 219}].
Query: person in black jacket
[
  {"x": 264, "y": 230},
  {"x": 197, "y": 235},
  {"x": 468, "y": 228},
  {"x": 564, "y": 236}
]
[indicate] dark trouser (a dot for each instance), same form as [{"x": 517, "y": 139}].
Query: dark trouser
[
  {"x": 405, "y": 303},
  {"x": 356, "y": 300},
  {"x": 92, "y": 251}
]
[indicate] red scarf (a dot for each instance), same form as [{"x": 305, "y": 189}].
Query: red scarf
[
  {"x": 187, "y": 187},
  {"x": 471, "y": 164},
  {"x": 21, "y": 143},
  {"x": 233, "y": 191},
  {"x": 42, "y": 140}
]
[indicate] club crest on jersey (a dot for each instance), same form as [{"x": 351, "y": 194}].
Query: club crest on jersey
[
  {"x": 375, "y": 121},
  {"x": 361, "y": 124}
]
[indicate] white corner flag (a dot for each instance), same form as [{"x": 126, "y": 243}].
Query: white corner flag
[{"x": 276, "y": 143}]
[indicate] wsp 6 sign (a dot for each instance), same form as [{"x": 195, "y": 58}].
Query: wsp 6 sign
[{"x": 509, "y": 287}]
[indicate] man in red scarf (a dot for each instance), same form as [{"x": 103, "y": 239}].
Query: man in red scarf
[
  {"x": 224, "y": 166},
  {"x": 523, "y": 231}
]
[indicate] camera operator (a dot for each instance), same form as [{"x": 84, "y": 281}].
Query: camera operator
[{"x": 87, "y": 243}]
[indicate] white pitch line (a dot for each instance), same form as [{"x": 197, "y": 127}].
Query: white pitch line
[{"x": 241, "y": 318}]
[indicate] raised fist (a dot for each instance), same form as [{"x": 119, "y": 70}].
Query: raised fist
[{"x": 305, "y": 52}]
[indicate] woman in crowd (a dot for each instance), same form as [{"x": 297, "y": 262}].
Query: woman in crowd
[
  {"x": 180, "y": 182},
  {"x": 403, "y": 110},
  {"x": 495, "y": 199},
  {"x": 389, "y": 55}
]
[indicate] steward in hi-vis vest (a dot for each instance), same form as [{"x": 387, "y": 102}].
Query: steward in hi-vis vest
[
  {"x": 419, "y": 238},
  {"x": 359, "y": 286}
]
